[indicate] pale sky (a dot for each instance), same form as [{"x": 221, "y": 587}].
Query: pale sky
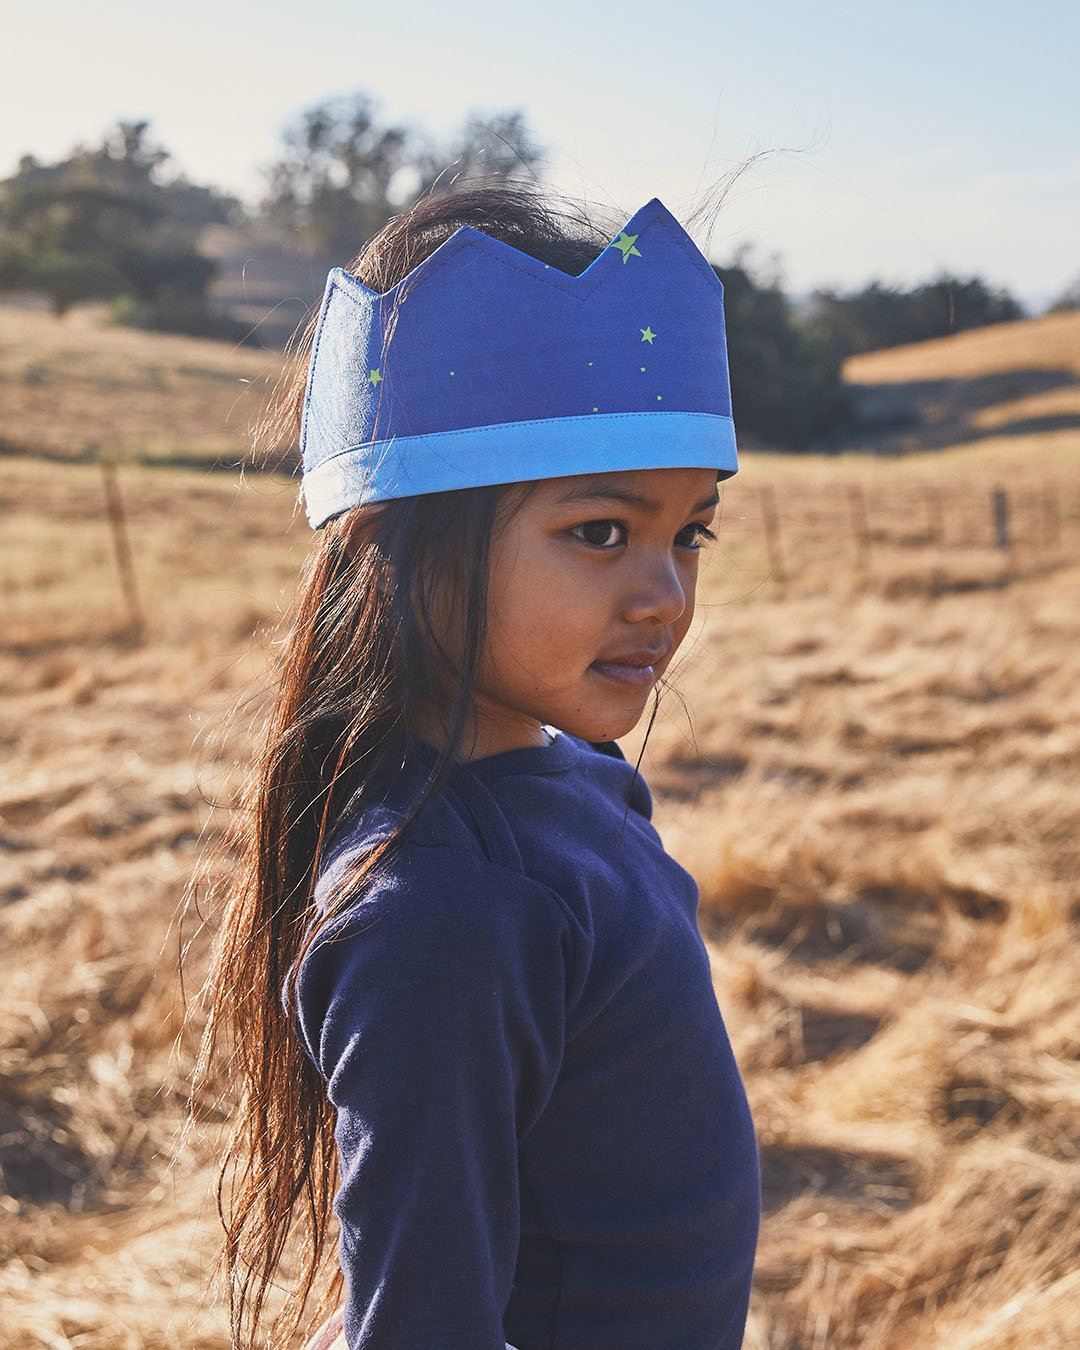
[{"x": 909, "y": 137}]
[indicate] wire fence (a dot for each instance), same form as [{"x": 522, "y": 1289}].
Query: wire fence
[
  {"x": 932, "y": 537},
  {"x": 953, "y": 536}
]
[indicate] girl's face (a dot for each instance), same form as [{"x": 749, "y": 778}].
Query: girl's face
[{"x": 591, "y": 592}]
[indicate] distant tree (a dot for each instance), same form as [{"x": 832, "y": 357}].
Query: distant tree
[
  {"x": 786, "y": 386},
  {"x": 952, "y": 304},
  {"x": 102, "y": 224},
  {"x": 345, "y": 171},
  {"x": 334, "y": 185},
  {"x": 65, "y": 278},
  {"x": 499, "y": 146},
  {"x": 1069, "y": 299},
  {"x": 884, "y": 316},
  {"x": 876, "y": 316}
]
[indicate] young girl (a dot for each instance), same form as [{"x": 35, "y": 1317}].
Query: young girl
[{"x": 467, "y": 1003}]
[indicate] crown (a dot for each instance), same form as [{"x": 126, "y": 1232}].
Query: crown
[{"x": 484, "y": 365}]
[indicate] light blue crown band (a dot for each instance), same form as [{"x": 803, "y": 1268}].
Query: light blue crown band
[{"x": 552, "y": 448}]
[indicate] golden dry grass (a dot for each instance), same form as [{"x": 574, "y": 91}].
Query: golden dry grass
[
  {"x": 876, "y": 790},
  {"x": 77, "y": 382}
]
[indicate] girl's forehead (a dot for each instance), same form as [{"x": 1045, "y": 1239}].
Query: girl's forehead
[{"x": 648, "y": 489}]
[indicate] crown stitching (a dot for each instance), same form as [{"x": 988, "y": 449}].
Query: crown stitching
[
  {"x": 678, "y": 235},
  {"x": 466, "y": 236},
  {"x": 576, "y": 285},
  {"x": 320, "y": 326},
  {"x": 571, "y": 285},
  {"x": 360, "y": 301}
]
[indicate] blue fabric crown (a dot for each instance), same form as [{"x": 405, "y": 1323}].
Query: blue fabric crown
[{"x": 484, "y": 365}]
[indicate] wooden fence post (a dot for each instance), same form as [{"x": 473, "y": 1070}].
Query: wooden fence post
[
  {"x": 935, "y": 516},
  {"x": 771, "y": 519},
  {"x": 1002, "y": 538},
  {"x": 935, "y": 535},
  {"x": 114, "y": 506},
  {"x": 1001, "y": 520},
  {"x": 860, "y": 527}
]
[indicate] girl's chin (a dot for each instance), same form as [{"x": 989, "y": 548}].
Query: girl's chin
[
  {"x": 603, "y": 728},
  {"x": 614, "y": 709}
]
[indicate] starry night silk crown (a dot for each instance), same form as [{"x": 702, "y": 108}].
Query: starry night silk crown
[{"x": 484, "y": 365}]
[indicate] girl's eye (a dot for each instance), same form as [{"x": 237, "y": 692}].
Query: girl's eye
[
  {"x": 694, "y": 535},
  {"x": 601, "y": 533}
]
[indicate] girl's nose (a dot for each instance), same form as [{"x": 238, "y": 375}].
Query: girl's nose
[{"x": 659, "y": 593}]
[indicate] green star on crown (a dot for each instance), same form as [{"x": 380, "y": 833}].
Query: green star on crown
[
  {"x": 625, "y": 245},
  {"x": 647, "y": 335},
  {"x": 375, "y": 378}
]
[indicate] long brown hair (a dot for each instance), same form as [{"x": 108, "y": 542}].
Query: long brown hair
[{"x": 360, "y": 662}]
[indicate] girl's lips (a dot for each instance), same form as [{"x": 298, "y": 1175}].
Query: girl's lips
[{"x": 629, "y": 672}]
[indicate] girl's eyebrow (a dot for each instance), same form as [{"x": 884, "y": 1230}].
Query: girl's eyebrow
[{"x": 610, "y": 492}]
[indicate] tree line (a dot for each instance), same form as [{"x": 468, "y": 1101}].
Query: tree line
[
  {"x": 109, "y": 222},
  {"x": 112, "y": 222},
  {"x": 103, "y": 224}
]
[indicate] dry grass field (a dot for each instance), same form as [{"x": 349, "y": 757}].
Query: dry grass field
[
  {"x": 871, "y": 766},
  {"x": 71, "y": 388}
]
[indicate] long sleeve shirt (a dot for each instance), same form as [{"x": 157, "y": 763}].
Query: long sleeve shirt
[{"x": 543, "y": 1136}]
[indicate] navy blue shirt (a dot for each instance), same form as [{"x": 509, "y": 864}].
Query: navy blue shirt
[{"x": 543, "y": 1136}]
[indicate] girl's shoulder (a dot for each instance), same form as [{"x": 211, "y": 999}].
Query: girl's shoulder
[
  {"x": 494, "y": 819},
  {"x": 485, "y": 803},
  {"x": 440, "y": 939},
  {"x": 540, "y": 864},
  {"x": 452, "y": 902}
]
